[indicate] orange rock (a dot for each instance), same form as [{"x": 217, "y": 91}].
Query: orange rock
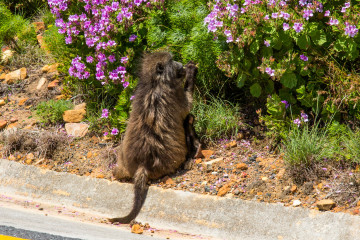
[
  {"x": 74, "y": 116},
  {"x": 224, "y": 190},
  {"x": 358, "y": 204},
  {"x": 39, "y": 26},
  {"x": 241, "y": 166},
  {"x": 326, "y": 204},
  {"x": 231, "y": 144},
  {"x": 14, "y": 76},
  {"x": 136, "y": 228},
  {"x": 12, "y": 125},
  {"x": 22, "y": 101},
  {"x": 293, "y": 188},
  {"x": 12, "y": 120},
  {"x": 53, "y": 84},
  {"x": 3, "y": 124},
  {"x": 2, "y": 102},
  {"x": 199, "y": 160},
  {"x": 89, "y": 155},
  {"x": 207, "y": 153},
  {"x": 2, "y": 76},
  {"x": 60, "y": 97},
  {"x": 12, "y": 158},
  {"x": 280, "y": 174},
  {"x": 41, "y": 42},
  {"x": 50, "y": 68},
  {"x": 167, "y": 180},
  {"x": 100, "y": 175}
]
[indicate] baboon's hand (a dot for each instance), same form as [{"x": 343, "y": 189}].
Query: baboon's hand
[{"x": 191, "y": 68}]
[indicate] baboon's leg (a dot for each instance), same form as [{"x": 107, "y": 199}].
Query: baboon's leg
[
  {"x": 121, "y": 170},
  {"x": 192, "y": 141}
]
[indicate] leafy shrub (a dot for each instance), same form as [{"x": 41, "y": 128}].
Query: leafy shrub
[
  {"x": 351, "y": 142},
  {"x": 12, "y": 26},
  {"x": 51, "y": 112}
]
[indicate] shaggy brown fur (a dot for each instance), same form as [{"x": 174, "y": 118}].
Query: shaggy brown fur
[{"x": 155, "y": 144}]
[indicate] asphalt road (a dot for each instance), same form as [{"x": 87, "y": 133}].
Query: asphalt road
[{"x": 36, "y": 226}]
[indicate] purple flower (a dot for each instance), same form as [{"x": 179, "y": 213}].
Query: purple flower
[
  {"x": 266, "y": 17},
  {"x": 304, "y": 58},
  {"x": 304, "y": 117},
  {"x": 270, "y": 71},
  {"x": 101, "y": 57},
  {"x": 297, "y": 122},
  {"x": 266, "y": 43},
  {"x": 229, "y": 39},
  {"x": 68, "y": 40},
  {"x": 343, "y": 9},
  {"x": 112, "y": 58},
  {"x": 227, "y": 33},
  {"x": 327, "y": 13},
  {"x": 302, "y": 2},
  {"x": 286, "y": 26},
  {"x": 298, "y": 27},
  {"x": 307, "y": 14},
  {"x": 125, "y": 84},
  {"x": 89, "y": 59},
  {"x": 114, "y": 131},
  {"x": 286, "y": 103},
  {"x": 106, "y": 133},
  {"x": 132, "y": 97},
  {"x": 132, "y": 38},
  {"x": 99, "y": 75},
  {"x": 274, "y": 15},
  {"x": 124, "y": 60},
  {"x": 351, "y": 30},
  {"x": 333, "y": 22},
  {"x": 105, "y": 113},
  {"x": 347, "y": 4},
  {"x": 285, "y": 15}
]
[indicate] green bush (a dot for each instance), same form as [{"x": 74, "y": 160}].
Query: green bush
[{"x": 51, "y": 112}]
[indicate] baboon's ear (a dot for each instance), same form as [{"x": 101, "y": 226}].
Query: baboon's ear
[{"x": 160, "y": 68}]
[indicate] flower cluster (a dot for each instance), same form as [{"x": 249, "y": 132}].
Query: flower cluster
[
  {"x": 303, "y": 118},
  {"x": 96, "y": 26}
]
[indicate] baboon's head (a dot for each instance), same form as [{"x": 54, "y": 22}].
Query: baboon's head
[{"x": 160, "y": 67}]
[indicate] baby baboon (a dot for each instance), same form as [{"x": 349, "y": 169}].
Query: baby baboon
[{"x": 155, "y": 143}]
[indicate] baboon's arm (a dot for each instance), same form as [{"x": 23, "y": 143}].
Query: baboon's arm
[{"x": 191, "y": 71}]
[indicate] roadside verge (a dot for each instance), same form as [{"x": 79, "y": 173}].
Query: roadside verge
[{"x": 221, "y": 217}]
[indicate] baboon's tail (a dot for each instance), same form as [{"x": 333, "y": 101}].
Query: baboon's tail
[{"x": 140, "y": 189}]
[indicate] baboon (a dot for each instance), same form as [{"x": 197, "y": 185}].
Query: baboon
[
  {"x": 155, "y": 142},
  {"x": 192, "y": 140}
]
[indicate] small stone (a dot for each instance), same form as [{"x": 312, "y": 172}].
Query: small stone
[
  {"x": 30, "y": 156},
  {"x": 100, "y": 175},
  {"x": 224, "y": 190},
  {"x": 3, "y": 124},
  {"x": 12, "y": 125},
  {"x": 2, "y": 102},
  {"x": 41, "y": 83},
  {"x": 231, "y": 144},
  {"x": 12, "y": 120},
  {"x": 296, "y": 203},
  {"x": 214, "y": 173},
  {"x": 6, "y": 55},
  {"x": 50, "y": 68},
  {"x": 199, "y": 160},
  {"x": 53, "y": 84},
  {"x": 12, "y": 158},
  {"x": 264, "y": 179},
  {"x": 325, "y": 205},
  {"x": 293, "y": 188},
  {"x": 207, "y": 153},
  {"x": 89, "y": 155},
  {"x": 22, "y": 101},
  {"x": 240, "y": 136},
  {"x": 39, "y": 26},
  {"x": 74, "y": 116},
  {"x": 136, "y": 228},
  {"x": 14, "y": 76},
  {"x": 236, "y": 192},
  {"x": 241, "y": 166},
  {"x": 2, "y": 76},
  {"x": 80, "y": 106},
  {"x": 358, "y": 204},
  {"x": 76, "y": 129},
  {"x": 280, "y": 174},
  {"x": 167, "y": 180},
  {"x": 60, "y": 97}
]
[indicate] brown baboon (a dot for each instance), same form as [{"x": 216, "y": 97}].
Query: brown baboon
[{"x": 155, "y": 143}]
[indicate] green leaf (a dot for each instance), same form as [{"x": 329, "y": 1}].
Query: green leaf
[
  {"x": 289, "y": 80},
  {"x": 241, "y": 80},
  {"x": 303, "y": 42},
  {"x": 254, "y": 47},
  {"x": 255, "y": 90}
]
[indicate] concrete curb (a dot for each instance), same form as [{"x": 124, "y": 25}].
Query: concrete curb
[{"x": 224, "y": 218}]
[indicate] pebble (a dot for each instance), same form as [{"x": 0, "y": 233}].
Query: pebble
[
  {"x": 214, "y": 173},
  {"x": 325, "y": 205},
  {"x": 296, "y": 203}
]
